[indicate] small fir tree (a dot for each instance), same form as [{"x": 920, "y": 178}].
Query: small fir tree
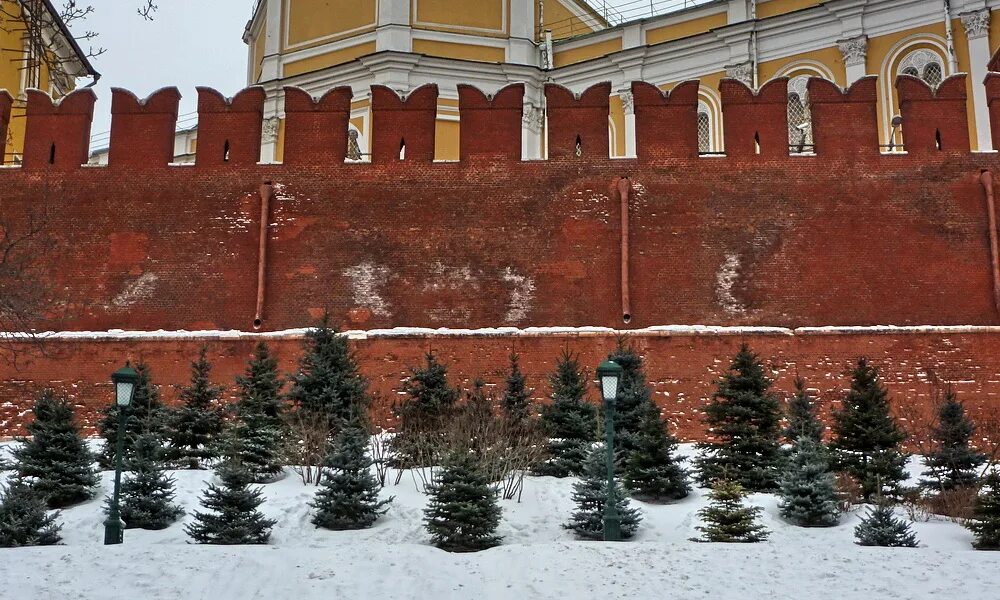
[
  {"x": 952, "y": 464},
  {"x": 516, "y": 397},
  {"x": 234, "y": 518},
  {"x": 867, "y": 439},
  {"x": 55, "y": 459},
  {"x": 23, "y": 517},
  {"x": 254, "y": 438},
  {"x": 462, "y": 513},
  {"x": 880, "y": 527},
  {"x": 651, "y": 472},
  {"x": 727, "y": 519},
  {"x": 147, "y": 492},
  {"x": 145, "y": 414},
  {"x": 348, "y": 498},
  {"x": 590, "y": 495},
  {"x": 328, "y": 381},
  {"x": 632, "y": 402},
  {"x": 744, "y": 420},
  {"x": 802, "y": 419},
  {"x": 569, "y": 420},
  {"x": 985, "y": 521},
  {"x": 430, "y": 400},
  {"x": 808, "y": 489},
  {"x": 194, "y": 427}
]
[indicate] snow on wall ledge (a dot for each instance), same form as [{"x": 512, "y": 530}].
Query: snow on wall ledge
[{"x": 681, "y": 361}]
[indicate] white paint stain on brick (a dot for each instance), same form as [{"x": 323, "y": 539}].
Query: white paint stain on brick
[
  {"x": 450, "y": 277},
  {"x": 521, "y": 296},
  {"x": 725, "y": 279},
  {"x": 136, "y": 291},
  {"x": 367, "y": 280}
]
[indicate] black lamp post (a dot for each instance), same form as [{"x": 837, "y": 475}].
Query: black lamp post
[
  {"x": 125, "y": 380},
  {"x": 609, "y": 373}
]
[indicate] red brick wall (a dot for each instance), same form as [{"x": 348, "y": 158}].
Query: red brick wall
[
  {"x": 845, "y": 237},
  {"x": 681, "y": 368}
]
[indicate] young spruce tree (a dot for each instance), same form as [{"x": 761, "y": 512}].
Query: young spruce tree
[
  {"x": 24, "y": 520},
  {"x": 569, "y": 420},
  {"x": 194, "y": 427},
  {"x": 808, "y": 491},
  {"x": 744, "y": 418},
  {"x": 881, "y": 527},
  {"x": 802, "y": 419},
  {"x": 255, "y": 436},
  {"x": 632, "y": 402},
  {"x": 462, "y": 513},
  {"x": 651, "y": 471},
  {"x": 145, "y": 414},
  {"x": 952, "y": 464},
  {"x": 328, "y": 383},
  {"x": 727, "y": 519},
  {"x": 422, "y": 415},
  {"x": 516, "y": 397},
  {"x": 233, "y": 517},
  {"x": 55, "y": 459},
  {"x": 348, "y": 494},
  {"x": 147, "y": 492},
  {"x": 590, "y": 495},
  {"x": 867, "y": 440},
  {"x": 985, "y": 522}
]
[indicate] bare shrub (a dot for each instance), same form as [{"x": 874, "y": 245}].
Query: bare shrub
[
  {"x": 848, "y": 492},
  {"x": 915, "y": 505},
  {"x": 380, "y": 449},
  {"x": 306, "y": 447},
  {"x": 956, "y": 504}
]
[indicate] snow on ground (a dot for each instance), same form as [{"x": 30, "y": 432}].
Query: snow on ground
[{"x": 538, "y": 558}]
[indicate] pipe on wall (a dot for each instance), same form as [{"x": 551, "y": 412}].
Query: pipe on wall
[
  {"x": 266, "y": 194},
  {"x": 624, "y": 186},
  {"x": 986, "y": 180}
]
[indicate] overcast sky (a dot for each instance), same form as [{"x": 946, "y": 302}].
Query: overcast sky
[
  {"x": 189, "y": 43},
  {"x": 196, "y": 42}
]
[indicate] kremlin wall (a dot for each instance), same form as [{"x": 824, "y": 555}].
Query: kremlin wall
[{"x": 812, "y": 257}]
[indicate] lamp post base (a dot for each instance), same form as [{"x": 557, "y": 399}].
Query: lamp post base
[
  {"x": 612, "y": 528},
  {"x": 114, "y": 531}
]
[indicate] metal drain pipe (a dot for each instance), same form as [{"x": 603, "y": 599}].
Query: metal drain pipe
[
  {"x": 266, "y": 193},
  {"x": 986, "y": 180}
]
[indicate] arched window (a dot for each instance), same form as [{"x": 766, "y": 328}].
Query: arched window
[
  {"x": 709, "y": 134},
  {"x": 800, "y": 136},
  {"x": 925, "y": 64}
]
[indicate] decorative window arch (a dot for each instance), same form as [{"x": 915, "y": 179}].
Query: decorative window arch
[
  {"x": 709, "y": 122},
  {"x": 925, "y": 64},
  {"x": 920, "y": 55}
]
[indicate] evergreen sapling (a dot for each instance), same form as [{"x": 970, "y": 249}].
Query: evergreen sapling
[
  {"x": 147, "y": 492},
  {"x": 23, "y": 518},
  {"x": 880, "y": 527},
  {"x": 516, "y": 397},
  {"x": 808, "y": 489},
  {"x": 233, "y": 517},
  {"x": 590, "y": 495},
  {"x": 569, "y": 420},
  {"x": 254, "y": 438},
  {"x": 55, "y": 459},
  {"x": 867, "y": 439},
  {"x": 985, "y": 521},
  {"x": 727, "y": 519},
  {"x": 633, "y": 399},
  {"x": 802, "y": 419},
  {"x": 744, "y": 420},
  {"x": 953, "y": 462},
  {"x": 462, "y": 513},
  {"x": 651, "y": 472},
  {"x": 328, "y": 383},
  {"x": 194, "y": 427},
  {"x": 348, "y": 496}
]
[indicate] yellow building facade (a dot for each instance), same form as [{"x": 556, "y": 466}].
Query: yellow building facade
[
  {"x": 318, "y": 44},
  {"x": 22, "y": 65}
]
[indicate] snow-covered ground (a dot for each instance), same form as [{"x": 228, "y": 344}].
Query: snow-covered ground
[{"x": 538, "y": 558}]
